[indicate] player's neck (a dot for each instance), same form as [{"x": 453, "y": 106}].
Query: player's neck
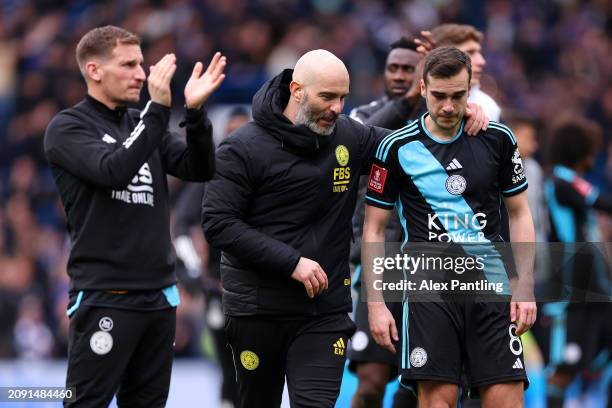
[
  {"x": 99, "y": 96},
  {"x": 442, "y": 134}
]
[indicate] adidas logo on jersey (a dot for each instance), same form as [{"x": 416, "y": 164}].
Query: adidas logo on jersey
[
  {"x": 339, "y": 347},
  {"x": 454, "y": 165},
  {"x": 518, "y": 364}
]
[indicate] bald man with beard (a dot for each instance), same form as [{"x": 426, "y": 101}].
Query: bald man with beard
[{"x": 280, "y": 208}]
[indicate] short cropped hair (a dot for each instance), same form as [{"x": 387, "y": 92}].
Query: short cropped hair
[
  {"x": 100, "y": 42},
  {"x": 446, "y": 62},
  {"x": 455, "y": 34},
  {"x": 572, "y": 139},
  {"x": 403, "y": 42}
]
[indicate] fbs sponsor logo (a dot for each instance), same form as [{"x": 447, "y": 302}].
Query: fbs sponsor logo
[
  {"x": 378, "y": 175},
  {"x": 339, "y": 347},
  {"x": 418, "y": 357},
  {"x": 249, "y": 360}
]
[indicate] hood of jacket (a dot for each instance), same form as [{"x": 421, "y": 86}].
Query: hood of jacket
[{"x": 268, "y": 106}]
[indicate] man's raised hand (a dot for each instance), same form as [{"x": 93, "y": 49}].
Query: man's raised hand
[
  {"x": 201, "y": 86},
  {"x": 159, "y": 79},
  {"x": 425, "y": 43}
]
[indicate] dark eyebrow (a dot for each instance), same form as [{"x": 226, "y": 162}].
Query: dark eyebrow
[
  {"x": 437, "y": 93},
  {"x": 396, "y": 64},
  {"x": 132, "y": 61},
  {"x": 442, "y": 94},
  {"x": 331, "y": 94}
]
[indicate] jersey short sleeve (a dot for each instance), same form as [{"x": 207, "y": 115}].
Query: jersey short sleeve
[
  {"x": 384, "y": 179},
  {"x": 512, "y": 178}
]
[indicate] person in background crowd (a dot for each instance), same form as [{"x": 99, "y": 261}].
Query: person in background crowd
[
  {"x": 575, "y": 332},
  {"x": 469, "y": 40},
  {"x": 526, "y": 132}
]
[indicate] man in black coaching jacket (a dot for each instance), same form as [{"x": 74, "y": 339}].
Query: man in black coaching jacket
[{"x": 110, "y": 165}]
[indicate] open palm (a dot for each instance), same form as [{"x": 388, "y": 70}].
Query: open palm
[{"x": 200, "y": 86}]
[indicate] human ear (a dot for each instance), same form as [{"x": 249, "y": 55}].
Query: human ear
[
  {"x": 297, "y": 91},
  {"x": 94, "y": 71}
]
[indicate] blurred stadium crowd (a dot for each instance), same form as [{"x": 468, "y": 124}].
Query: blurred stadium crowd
[{"x": 543, "y": 58}]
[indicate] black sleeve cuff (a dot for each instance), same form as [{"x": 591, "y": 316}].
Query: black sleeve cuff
[
  {"x": 379, "y": 203},
  {"x": 193, "y": 117},
  {"x": 515, "y": 190},
  {"x": 155, "y": 107},
  {"x": 292, "y": 264}
]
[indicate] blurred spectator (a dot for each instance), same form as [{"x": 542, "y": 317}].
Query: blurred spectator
[
  {"x": 526, "y": 132},
  {"x": 575, "y": 330},
  {"x": 33, "y": 339}
]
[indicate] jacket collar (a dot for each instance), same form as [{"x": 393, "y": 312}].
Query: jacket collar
[{"x": 112, "y": 114}]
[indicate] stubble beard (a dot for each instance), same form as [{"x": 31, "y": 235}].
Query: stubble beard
[{"x": 306, "y": 117}]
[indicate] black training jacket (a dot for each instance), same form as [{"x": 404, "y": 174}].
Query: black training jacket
[
  {"x": 110, "y": 168},
  {"x": 281, "y": 192}
]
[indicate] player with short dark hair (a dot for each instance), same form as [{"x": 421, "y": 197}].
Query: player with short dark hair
[
  {"x": 402, "y": 99},
  {"x": 110, "y": 165},
  {"x": 437, "y": 176}
]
